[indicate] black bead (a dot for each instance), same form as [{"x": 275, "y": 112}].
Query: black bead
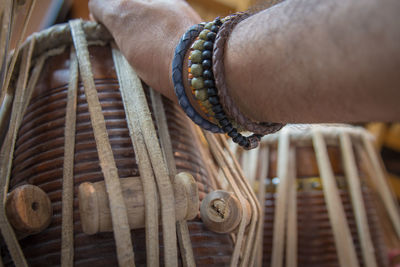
[
  {"x": 208, "y": 45},
  {"x": 206, "y": 64},
  {"x": 224, "y": 122},
  {"x": 227, "y": 128},
  {"x": 207, "y": 54},
  {"x": 233, "y": 133},
  {"x": 209, "y": 83},
  {"x": 243, "y": 142},
  {"x": 217, "y": 109},
  {"x": 218, "y": 21},
  {"x": 207, "y": 74},
  {"x": 211, "y": 36},
  {"x": 212, "y": 91},
  {"x": 214, "y": 28},
  {"x": 213, "y": 100},
  {"x": 237, "y": 139},
  {"x": 219, "y": 115}
]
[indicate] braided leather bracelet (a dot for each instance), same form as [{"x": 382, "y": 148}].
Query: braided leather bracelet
[
  {"x": 205, "y": 81},
  {"x": 226, "y": 101},
  {"x": 177, "y": 65}
]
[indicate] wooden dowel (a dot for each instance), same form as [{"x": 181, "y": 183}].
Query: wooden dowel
[
  {"x": 95, "y": 211},
  {"x": 221, "y": 212},
  {"x": 28, "y": 209}
]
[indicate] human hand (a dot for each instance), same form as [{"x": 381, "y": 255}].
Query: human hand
[{"x": 147, "y": 32}]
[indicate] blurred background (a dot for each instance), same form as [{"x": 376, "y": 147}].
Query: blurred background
[{"x": 49, "y": 12}]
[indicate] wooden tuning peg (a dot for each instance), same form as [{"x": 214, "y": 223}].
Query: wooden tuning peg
[
  {"x": 222, "y": 212},
  {"x": 95, "y": 211},
  {"x": 28, "y": 209}
]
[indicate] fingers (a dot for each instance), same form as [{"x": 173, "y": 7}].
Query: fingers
[
  {"x": 95, "y": 10},
  {"x": 91, "y": 17}
]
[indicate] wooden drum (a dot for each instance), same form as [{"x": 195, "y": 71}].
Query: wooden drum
[
  {"x": 39, "y": 155},
  {"x": 319, "y": 187}
]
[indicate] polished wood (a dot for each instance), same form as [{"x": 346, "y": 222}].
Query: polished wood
[
  {"x": 222, "y": 212},
  {"x": 28, "y": 209},
  {"x": 95, "y": 213}
]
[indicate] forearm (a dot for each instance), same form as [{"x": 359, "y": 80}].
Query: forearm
[
  {"x": 317, "y": 61},
  {"x": 147, "y": 33}
]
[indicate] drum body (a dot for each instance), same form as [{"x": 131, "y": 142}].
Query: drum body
[
  {"x": 315, "y": 239},
  {"x": 39, "y": 156}
]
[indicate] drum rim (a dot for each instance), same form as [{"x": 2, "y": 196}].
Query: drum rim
[
  {"x": 304, "y": 132},
  {"x": 60, "y": 35},
  {"x": 53, "y": 41}
]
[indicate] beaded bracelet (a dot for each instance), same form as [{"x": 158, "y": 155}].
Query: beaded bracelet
[
  {"x": 226, "y": 101},
  {"x": 177, "y": 65},
  {"x": 196, "y": 79},
  {"x": 208, "y": 35},
  {"x": 203, "y": 86}
]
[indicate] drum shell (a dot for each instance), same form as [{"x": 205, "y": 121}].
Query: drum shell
[
  {"x": 316, "y": 245},
  {"x": 38, "y": 160}
]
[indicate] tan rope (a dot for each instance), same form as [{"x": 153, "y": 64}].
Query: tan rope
[
  {"x": 166, "y": 146},
  {"x": 117, "y": 205},
  {"x": 128, "y": 80},
  {"x": 302, "y": 133},
  {"x": 253, "y": 239},
  {"x": 250, "y": 165},
  {"x": 6, "y": 104},
  {"x": 67, "y": 226},
  {"x": 162, "y": 126},
  {"x": 370, "y": 176},
  {"x": 14, "y": 57},
  {"x": 291, "y": 231},
  {"x": 353, "y": 180},
  {"x": 281, "y": 200},
  {"x": 263, "y": 167},
  {"x": 381, "y": 185},
  {"x": 211, "y": 169},
  {"x": 7, "y": 14},
  {"x": 7, "y": 98},
  {"x": 223, "y": 164},
  {"x": 134, "y": 96},
  {"x": 22, "y": 95},
  {"x": 341, "y": 232}
]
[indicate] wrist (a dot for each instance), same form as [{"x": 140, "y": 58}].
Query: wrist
[{"x": 182, "y": 29}]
